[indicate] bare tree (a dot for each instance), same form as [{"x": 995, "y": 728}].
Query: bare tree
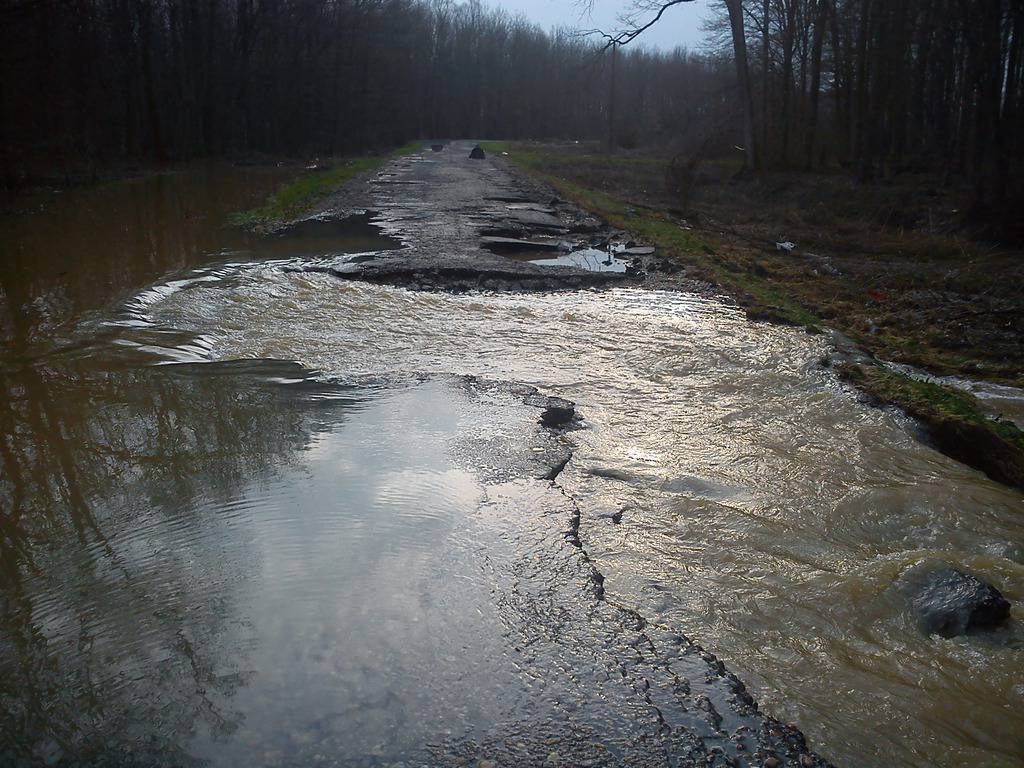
[
  {"x": 752, "y": 158},
  {"x": 641, "y": 15}
]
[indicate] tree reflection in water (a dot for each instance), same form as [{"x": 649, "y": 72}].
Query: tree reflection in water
[
  {"x": 116, "y": 594},
  {"x": 112, "y": 634}
]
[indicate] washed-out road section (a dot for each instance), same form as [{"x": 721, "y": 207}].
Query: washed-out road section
[{"x": 391, "y": 488}]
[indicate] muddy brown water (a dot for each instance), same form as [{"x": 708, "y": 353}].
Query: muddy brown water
[
  {"x": 294, "y": 543},
  {"x": 70, "y": 252}
]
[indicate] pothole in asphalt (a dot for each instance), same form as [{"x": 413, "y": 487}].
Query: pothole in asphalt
[
  {"x": 551, "y": 253},
  {"x": 317, "y": 237},
  {"x": 529, "y": 206},
  {"x": 590, "y": 259},
  {"x": 507, "y": 246}
]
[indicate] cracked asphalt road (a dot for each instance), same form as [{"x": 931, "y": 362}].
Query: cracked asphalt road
[{"x": 444, "y": 206}]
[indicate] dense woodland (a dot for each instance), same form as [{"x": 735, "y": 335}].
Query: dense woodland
[
  {"x": 173, "y": 80},
  {"x": 873, "y": 86},
  {"x": 881, "y": 86}
]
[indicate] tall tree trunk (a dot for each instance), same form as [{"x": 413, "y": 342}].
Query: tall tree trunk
[
  {"x": 843, "y": 76},
  {"x": 5, "y": 146},
  {"x": 766, "y": 11},
  {"x": 611, "y": 100},
  {"x": 862, "y": 149},
  {"x": 144, "y": 13},
  {"x": 208, "y": 77},
  {"x": 752, "y": 159},
  {"x": 990, "y": 71},
  {"x": 788, "y": 34},
  {"x": 1013, "y": 82},
  {"x": 820, "y": 20},
  {"x": 243, "y": 46}
]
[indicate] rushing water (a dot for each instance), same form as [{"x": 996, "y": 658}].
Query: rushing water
[{"x": 261, "y": 564}]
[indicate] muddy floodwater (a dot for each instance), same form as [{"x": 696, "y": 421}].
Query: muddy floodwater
[{"x": 255, "y": 514}]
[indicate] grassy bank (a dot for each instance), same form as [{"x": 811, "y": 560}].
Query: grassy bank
[
  {"x": 924, "y": 296},
  {"x": 300, "y": 195},
  {"x": 954, "y": 420}
]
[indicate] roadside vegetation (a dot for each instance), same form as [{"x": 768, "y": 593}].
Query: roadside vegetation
[
  {"x": 889, "y": 266},
  {"x": 300, "y": 195}
]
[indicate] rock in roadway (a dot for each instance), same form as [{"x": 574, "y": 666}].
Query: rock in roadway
[
  {"x": 477, "y": 153},
  {"x": 950, "y": 602},
  {"x": 557, "y": 413}
]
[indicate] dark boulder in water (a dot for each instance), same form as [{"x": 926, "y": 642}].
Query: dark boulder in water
[
  {"x": 557, "y": 413},
  {"x": 477, "y": 153},
  {"x": 437, "y": 147},
  {"x": 949, "y": 602}
]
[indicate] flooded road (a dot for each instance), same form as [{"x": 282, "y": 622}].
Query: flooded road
[
  {"x": 72, "y": 251},
  {"x": 325, "y": 533}
]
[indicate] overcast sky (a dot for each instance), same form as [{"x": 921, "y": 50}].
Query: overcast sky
[{"x": 680, "y": 25}]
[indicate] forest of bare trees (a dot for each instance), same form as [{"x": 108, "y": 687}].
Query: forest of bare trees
[
  {"x": 110, "y": 79},
  {"x": 881, "y": 87},
  {"x": 871, "y": 86}
]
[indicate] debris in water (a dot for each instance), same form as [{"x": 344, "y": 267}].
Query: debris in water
[{"x": 785, "y": 246}]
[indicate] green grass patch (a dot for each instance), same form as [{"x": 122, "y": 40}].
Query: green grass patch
[
  {"x": 930, "y": 401},
  {"x": 923, "y": 395},
  {"x": 1009, "y": 432},
  {"x": 495, "y": 147},
  {"x": 303, "y": 193},
  {"x": 568, "y": 154}
]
